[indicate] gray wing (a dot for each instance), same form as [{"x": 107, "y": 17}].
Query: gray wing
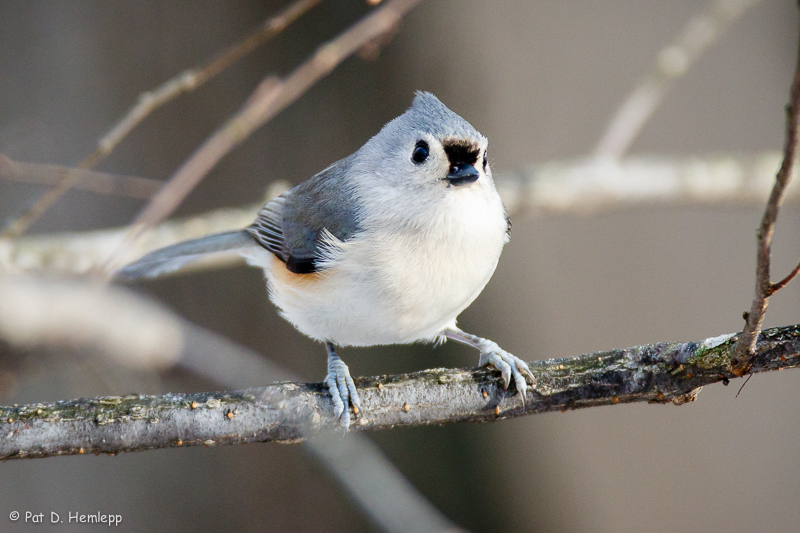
[{"x": 291, "y": 225}]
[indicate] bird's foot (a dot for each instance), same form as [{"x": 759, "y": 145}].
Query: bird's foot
[
  {"x": 508, "y": 365},
  {"x": 493, "y": 355},
  {"x": 342, "y": 389}
]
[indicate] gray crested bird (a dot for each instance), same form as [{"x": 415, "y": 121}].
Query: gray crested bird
[{"x": 386, "y": 246}]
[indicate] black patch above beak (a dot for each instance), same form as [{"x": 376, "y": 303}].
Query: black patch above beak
[{"x": 461, "y": 174}]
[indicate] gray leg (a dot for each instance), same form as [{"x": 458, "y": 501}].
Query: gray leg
[
  {"x": 492, "y": 354},
  {"x": 342, "y": 388}
]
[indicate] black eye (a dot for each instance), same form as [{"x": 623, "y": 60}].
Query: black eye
[
  {"x": 420, "y": 152},
  {"x": 485, "y": 161}
]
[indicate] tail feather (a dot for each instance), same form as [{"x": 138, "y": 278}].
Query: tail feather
[{"x": 174, "y": 257}]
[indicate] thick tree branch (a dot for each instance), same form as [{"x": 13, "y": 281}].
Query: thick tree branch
[{"x": 291, "y": 412}]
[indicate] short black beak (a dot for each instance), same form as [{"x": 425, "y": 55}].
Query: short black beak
[{"x": 462, "y": 173}]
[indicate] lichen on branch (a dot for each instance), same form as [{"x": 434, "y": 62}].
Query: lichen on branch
[{"x": 669, "y": 372}]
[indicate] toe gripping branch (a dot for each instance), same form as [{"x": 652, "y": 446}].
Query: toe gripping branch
[
  {"x": 342, "y": 388},
  {"x": 492, "y": 355}
]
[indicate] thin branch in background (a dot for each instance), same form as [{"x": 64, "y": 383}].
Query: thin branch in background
[
  {"x": 81, "y": 252},
  {"x": 86, "y": 180},
  {"x": 134, "y": 331},
  {"x": 382, "y": 491},
  {"x": 592, "y": 185},
  {"x": 271, "y": 97},
  {"x": 378, "y": 487},
  {"x": 289, "y": 412},
  {"x": 583, "y": 187},
  {"x": 148, "y": 102},
  {"x": 673, "y": 62},
  {"x": 754, "y": 319}
]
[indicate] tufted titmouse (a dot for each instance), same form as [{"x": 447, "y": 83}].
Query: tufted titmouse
[{"x": 386, "y": 246}]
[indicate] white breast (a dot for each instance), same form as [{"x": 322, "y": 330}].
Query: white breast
[{"x": 405, "y": 277}]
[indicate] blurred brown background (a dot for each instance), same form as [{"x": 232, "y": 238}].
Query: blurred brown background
[{"x": 541, "y": 80}]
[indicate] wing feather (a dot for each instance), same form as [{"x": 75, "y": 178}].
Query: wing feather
[{"x": 292, "y": 225}]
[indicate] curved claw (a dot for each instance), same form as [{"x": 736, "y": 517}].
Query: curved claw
[{"x": 508, "y": 365}]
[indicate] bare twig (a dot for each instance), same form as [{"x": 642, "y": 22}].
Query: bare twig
[
  {"x": 150, "y": 101},
  {"x": 582, "y": 187},
  {"x": 746, "y": 381},
  {"x": 87, "y": 180},
  {"x": 291, "y": 412},
  {"x": 270, "y": 98},
  {"x": 754, "y": 319},
  {"x": 775, "y": 287},
  {"x": 191, "y": 79},
  {"x": 673, "y": 62},
  {"x": 24, "y": 221}
]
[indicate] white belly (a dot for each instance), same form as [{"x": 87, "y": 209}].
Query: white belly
[{"x": 404, "y": 283}]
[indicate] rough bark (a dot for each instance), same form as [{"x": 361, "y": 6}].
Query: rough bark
[{"x": 291, "y": 412}]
